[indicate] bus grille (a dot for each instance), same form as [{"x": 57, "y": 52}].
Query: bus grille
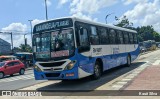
[
  {"x": 55, "y": 64},
  {"x": 52, "y": 74}
]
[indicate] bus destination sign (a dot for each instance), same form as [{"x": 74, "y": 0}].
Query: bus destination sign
[{"x": 52, "y": 25}]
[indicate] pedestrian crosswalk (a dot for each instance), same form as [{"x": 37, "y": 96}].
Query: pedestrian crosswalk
[
  {"x": 157, "y": 62},
  {"x": 17, "y": 77}
]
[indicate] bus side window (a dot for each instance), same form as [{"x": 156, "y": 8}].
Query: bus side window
[
  {"x": 120, "y": 37},
  {"x": 135, "y": 39},
  {"x": 112, "y": 36},
  {"x": 103, "y": 36},
  {"x": 84, "y": 40},
  {"x": 131, "y": 38},
  {"x": 126, "y": 38},
  {"x": 94, "y": 38}
]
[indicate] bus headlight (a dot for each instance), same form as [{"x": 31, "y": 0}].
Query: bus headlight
[
  {"x": 37, "y": 68},
  {"x": 70, "y": 65}
]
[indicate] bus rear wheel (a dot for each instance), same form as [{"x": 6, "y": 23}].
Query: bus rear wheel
[
  {"x": 97, "y": 71},
  {"x": 128, "y": 61}
]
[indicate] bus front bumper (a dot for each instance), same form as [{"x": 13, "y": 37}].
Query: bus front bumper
[{"x": 67, "y": 74}]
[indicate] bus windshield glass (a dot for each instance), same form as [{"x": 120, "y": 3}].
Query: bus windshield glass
[{"x": 52, "y": 45}]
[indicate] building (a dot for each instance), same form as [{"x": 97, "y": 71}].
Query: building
[{"x": 5, "y": 47}]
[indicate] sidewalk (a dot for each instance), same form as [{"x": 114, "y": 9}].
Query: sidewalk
[{"x": 148, "y": 79}]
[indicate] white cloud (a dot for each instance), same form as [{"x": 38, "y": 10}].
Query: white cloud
[
  {"x": 147, "y": 13},
  {"x": 49, "y": 3},
  {"x": 127, "y": 2},
  {"x": 61, "y": 2},
  {"x": 87, "y": 17},
  {"x": 36, "y": 21},
  {"x": 17, "y": 27},
  {"x": 86, "y": 8}
]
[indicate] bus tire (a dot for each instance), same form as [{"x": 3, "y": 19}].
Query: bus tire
[
  {"x": 128, "y": 61},
  {"x": 97, "y": 71}
]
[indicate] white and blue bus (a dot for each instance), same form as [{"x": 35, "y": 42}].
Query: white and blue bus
[{"x": 73, "y": 48}]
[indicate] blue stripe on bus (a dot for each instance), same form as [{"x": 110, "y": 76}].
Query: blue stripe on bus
[
  {"x": 86, "y": 64},
  {"x": 109, "y": 61}
]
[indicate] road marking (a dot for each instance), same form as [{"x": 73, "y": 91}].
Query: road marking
[
  {"x": 21, "y": 77},
  {"x": 157, "y": 62}
]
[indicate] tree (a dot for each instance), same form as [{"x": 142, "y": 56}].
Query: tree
[
  {"x": 124, "y": 22},
  {"x": 144, "y": 32},
  {"x": 25, "y": 48}
]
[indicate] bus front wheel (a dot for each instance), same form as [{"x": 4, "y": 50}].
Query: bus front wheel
[{"x": 97, "y": 71}]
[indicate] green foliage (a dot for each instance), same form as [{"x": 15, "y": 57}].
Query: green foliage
[
  {"x": 123, "y": 22},
  {"x": 23, "y": 48},
  {"x": 144, "y": 32}
]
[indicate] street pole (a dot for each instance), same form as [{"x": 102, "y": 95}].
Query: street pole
[
  {"x": 31, "y": 27},
  {"x": 25, "y": 39},
  {"x": 107, "y": 16},
  {"x": 12, "y": 41},
  {"x": 46, "y": 9}
]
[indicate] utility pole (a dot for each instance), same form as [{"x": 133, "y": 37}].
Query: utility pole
[
  {"x": 46, "y": 9},
  {"x": 25, "y": 43},
  {"x": 31, "y": 27},
  {"x": 12, "y": 41}
]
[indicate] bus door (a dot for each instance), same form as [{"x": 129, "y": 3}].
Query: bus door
[{"x": 83, "y": 45}]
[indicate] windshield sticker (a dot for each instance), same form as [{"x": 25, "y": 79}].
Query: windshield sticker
[{"x": 60, "y": 53}]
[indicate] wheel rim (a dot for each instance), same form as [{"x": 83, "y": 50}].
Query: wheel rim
[
  {"x": 97, "y": 70},
  {"x": 129, "y": 62},
  {"x": 1, "y": 75},
  {"x": 22, "y": 71}
]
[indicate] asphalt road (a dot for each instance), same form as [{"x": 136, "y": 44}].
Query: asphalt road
[{"x": 18, "y": 81}]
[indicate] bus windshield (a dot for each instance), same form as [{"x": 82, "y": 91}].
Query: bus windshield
[{"x": 54, "y": 45}]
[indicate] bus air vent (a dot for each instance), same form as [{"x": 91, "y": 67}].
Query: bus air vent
[{"x": 55, "y": 64}]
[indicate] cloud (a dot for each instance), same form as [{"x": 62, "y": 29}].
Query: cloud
[
  {"x": 61, "y": 2},
  {"x": 49, "y": 3},
  {"x": 17, "y": 27},
  {"x": 36, "y": 21},
  {"x": 18, "y": 30},
  {"x": 147, "y": 13},
  {"x": 127, "y": 2},
  {"x": 86, "y": 8}
]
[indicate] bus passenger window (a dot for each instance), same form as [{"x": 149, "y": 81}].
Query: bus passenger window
[
  {"x": 103, "y": 36},
  {"x": 83, "y": 37},
  {"x": 120, "y": 37},
  {"x": 126, "y": 38},
  {"x": 94, "y": 36},
  {"x": 135, "y": 39},
  {"x": 112, "y": 36},
  {"x": 131, "y": 38}
]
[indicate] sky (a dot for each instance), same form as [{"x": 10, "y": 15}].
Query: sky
[{"x": 16, "y": 13}]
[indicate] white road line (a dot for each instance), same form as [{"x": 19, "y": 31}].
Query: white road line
[
  {"x": 157, "y": 62},
  {"x": 22, "y": 77}
]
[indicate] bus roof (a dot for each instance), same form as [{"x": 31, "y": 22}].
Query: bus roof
[{"x": 92, "y": 22}]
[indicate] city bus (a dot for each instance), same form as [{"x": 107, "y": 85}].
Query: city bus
[{"x": 73, "y": 48}]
